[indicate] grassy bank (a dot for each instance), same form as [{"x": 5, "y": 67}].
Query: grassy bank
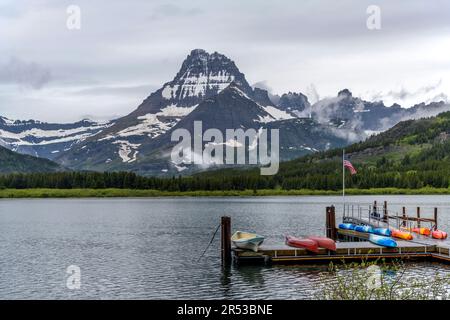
[{"x": 115, "y": 193}]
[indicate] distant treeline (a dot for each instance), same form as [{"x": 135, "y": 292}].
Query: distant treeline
[
  {"x": 128, "y": 180},
  {"x": 412, "y": 155},
  {"x": 315, "y": 176}
]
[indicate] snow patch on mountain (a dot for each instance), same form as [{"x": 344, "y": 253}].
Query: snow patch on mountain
[
  {"x": 52, "y": 135},
  {"x": 277, "y": 114},
  {"x": 265, "y": 119},
  {"x": 39, "y": 137},
  {"x": 169, "y": 91},
  {"x": 179, "y": 167},
  {"x": 7, "y": 121},
  {"x": 196, "y": 84},
  {"x": 127, "y": 151},
  {"x": 233, "y": 143},
  {"x": 151, "y": 124},
  {"x": 174, "y": 111}
]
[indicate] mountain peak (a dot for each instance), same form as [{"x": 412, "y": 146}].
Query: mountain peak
[
  {"x": 201, "y": 76},
  {"x": 296, "y": 103},
  {"x": 201, "y": 53},
  {"x": 261, "y": 96},
  {"x": 196, "y": 52},
  {"x": 345, "y": 93}
]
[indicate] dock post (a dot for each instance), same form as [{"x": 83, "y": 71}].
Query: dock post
[
  {"x": 418, "y": 217},
  {"x": 331, "y": 222},
  {"x": 385, "y": 213},
  {"x": 397, "y": 220},
  {"x": 226, "y": 240},
  {"x": 404, "y": 217},
  {"x": 435, "y": 218}
]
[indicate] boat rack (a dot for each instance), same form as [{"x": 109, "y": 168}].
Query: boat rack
[
  {"x": 350, "y": 246},
  {"x": 345, "y": 251},
  {"x": 380, "y": 216}
]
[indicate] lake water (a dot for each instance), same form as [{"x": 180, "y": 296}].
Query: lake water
[{"x": 148, "y": 248}]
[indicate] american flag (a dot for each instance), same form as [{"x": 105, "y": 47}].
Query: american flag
[{"x": 348, "y": 165}]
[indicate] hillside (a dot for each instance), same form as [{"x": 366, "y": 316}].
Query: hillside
[
  {"x": 412, "y": 154},
  {"x": 12, "y": 162}
]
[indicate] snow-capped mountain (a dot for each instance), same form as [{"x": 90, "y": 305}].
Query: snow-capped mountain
[
  {"x": 231, "y": 108},
  {"x": 345, "y": 110},
  {"x": 209, "y": 88},
  {"x": 45, "y": 140},
  {"x": 202, "y": 75}
]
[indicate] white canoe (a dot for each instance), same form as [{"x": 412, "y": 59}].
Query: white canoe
[{"x": 246, "y": 240}]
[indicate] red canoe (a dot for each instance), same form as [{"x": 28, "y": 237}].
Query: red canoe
[
  {"x": 324, "y": 242},
  {"x": 438, "y": 234},
  {"x": 307, "y": 244}
]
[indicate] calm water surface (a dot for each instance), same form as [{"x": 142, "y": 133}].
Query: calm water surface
[{"x": 148, "y": 248}]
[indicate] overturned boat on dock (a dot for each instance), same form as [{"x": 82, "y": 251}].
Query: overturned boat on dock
[
  {"x": 307, "y": 244},
  {"x": 247, "y": 240},
  {"x": 324, "y": 242},
  {"x": 383, "y": 241}
]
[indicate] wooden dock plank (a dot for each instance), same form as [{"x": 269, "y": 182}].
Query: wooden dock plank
[{"x": 344, "y": 251}]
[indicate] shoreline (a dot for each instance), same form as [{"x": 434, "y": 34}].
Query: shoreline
[{"x": 140, "y": 193}]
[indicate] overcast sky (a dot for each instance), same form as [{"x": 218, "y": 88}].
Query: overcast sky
[{"x": 127, "y": 49}]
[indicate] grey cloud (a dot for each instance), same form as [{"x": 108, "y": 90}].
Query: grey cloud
[
  {"x": 403, "y": 94},
  {"x": 26, "y": 74},
  {"x": 433, "y": 92},
  {"x": 275, "y": 98},
  {"x": 439, "y": 97},
  {"x": 290, "y": 43},
  {"x": 263, "y": 85},
  {"x": 172, "y": 10},
  {"x": 320, "y": 20},
  {"x": 312, "y": 94},
  {"x": 138, "y": 90}
]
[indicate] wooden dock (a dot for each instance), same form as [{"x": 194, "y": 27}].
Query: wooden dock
[
  {"x": 345, "y": 251},
  {"x": 351, "y": 245}
]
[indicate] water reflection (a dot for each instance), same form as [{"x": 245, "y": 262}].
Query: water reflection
[{"x": 149, "y": 248}]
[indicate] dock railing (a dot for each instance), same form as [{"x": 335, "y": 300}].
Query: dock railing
[{"x": 381, "y": 216}]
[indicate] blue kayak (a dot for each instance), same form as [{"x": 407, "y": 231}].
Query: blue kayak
[
  {"x": 347, "y": 226},
  {"x": 365, "y": 229},
  {"x": 383, "y": 241},
  {"x": 382, "y": 232}
]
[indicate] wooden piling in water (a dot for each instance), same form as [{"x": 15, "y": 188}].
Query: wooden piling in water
[
  {"x": 385, "y": 213},
  {"x": 404, "y": 216},
  {"x": 418, "y": 217},
  {"x": 436, "y": 218},
  {"x": 226, "y": 240},
  {"x": 331, "y": 223}
]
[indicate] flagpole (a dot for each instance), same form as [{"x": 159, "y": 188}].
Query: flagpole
[{"x": 343, "y": 179}]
